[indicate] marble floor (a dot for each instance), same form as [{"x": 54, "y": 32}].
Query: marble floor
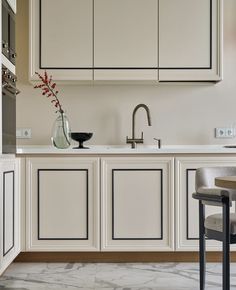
[{"x": 135, "y": 276}]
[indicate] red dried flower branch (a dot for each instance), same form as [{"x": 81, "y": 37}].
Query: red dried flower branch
[{"x": 48, "y": 89}]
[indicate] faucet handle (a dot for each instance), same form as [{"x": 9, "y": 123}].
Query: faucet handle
[
  {"x": 131, "y": 141},
  {"x": 141, "y": 135},
  {"x": 158, "y": 143}
]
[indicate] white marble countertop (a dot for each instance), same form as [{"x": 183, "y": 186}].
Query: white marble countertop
[{"x": 125, "y": 149}]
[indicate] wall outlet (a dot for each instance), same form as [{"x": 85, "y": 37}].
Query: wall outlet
[
  {"x": 224, "y": 132},
  {"x": 26, "y": 133},
  {"x": 229, "y": 132},
  {"x": 23, "y": 133}
]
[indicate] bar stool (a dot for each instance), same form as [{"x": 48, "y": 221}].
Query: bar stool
[{"x": 220, "y": 227}]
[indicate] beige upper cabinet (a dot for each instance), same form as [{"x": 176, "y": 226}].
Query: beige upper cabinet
[
  {"x": 125, "y": 38},
  {"x": 62, "y": 38},
  {"x": 120, "y": 40},
  {"x": 189, "y": 40}
]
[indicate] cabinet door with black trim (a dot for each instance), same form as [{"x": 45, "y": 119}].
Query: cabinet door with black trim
[
  {"x": 9, "y": 212},
  {"x": 125, "y": 40},
  {"x": 137, "y": 204},
  {"x": 187, "y": 210},
  {"x": 61, "y": 38},
  {"x": 62, "y": 206},
  {"x": 190, "y": 38}
]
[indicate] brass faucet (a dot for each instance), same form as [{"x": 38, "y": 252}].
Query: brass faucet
[{"x": 134, "y": 141}]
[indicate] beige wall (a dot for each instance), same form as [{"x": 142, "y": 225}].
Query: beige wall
[{"x": 181, "y": 113}]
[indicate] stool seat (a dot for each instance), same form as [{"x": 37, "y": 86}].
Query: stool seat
[{"x": 215, "y": 222}]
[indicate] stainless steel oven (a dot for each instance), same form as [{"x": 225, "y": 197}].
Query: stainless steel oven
[{"x": 9, "y": 92}]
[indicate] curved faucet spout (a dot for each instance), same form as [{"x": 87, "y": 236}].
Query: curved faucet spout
[
  {"x": 133, "y": 140},
  {"x": 145, "y": 107}
]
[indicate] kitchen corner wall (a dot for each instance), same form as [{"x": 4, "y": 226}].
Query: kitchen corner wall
[{"x": 181, "y": 113}]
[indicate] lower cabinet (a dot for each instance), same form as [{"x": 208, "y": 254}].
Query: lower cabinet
[
  {"x": 63, "y": 201},
  {"x": 187, "y": 217},
  {"x": 62, "y": 204},
  {"x": 137, "y": 209},
  {"x": 9, "y": 211},
  {"x": 114, "y": 203}
]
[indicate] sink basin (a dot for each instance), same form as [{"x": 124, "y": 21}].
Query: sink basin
[
  {"x": 118, "y": 146},
  {"x": 230, "y": 146},
  {"x": 127, "y": 147}
]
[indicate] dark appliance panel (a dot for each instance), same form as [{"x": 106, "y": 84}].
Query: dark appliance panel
[
  {"x": 8, "y": 32},
  {"x": 9, "y": 92},
  {"x": 5, "y": 28},
  {"x": 12, "y": 41}
]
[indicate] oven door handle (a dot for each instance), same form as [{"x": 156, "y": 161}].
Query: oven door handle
[{"x": 7, "y": 85}]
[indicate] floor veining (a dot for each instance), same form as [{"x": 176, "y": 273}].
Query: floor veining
[{"x": 112, "y": 276}]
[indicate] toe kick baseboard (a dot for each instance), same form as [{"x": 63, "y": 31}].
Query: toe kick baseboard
[{"x": 118, "y": 257}]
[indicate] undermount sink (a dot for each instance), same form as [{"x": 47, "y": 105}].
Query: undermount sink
[
  {"x": 125, "y": 147},
  {"x": 229, "y": 146},
  {"x": 118, "y": 146}
]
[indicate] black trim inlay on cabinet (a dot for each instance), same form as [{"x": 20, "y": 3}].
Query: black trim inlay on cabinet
[
  {"x": 87, "y": 206},
  {"x": 6, "y": 251},
  {"x": 72, "y": 35},
  {"x": 187, "y": 205},
  {"x": 122, "y": 68},
  {"x": 210, "y": 51},
  {"x": 114, "y": 237}
]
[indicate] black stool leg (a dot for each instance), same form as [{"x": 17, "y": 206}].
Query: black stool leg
[
  {"x": 226, "y": 246},
  {"x": 202, "y": 245}
]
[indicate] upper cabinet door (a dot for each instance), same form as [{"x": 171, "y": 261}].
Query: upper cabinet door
[
  {"x": 165, "y": 40},
  {"x": 125, "y": 39},
  {"x": 189, "y": 40},
  {"x": 62, "y": 44}
]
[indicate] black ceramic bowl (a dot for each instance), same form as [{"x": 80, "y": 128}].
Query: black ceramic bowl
[{"x": 81, "y": 137}]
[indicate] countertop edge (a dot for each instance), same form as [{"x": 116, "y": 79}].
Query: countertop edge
[{"x": 119, "y": 150}]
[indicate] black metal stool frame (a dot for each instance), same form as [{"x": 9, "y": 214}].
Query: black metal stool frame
[{"x": 223, "y": 236}]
